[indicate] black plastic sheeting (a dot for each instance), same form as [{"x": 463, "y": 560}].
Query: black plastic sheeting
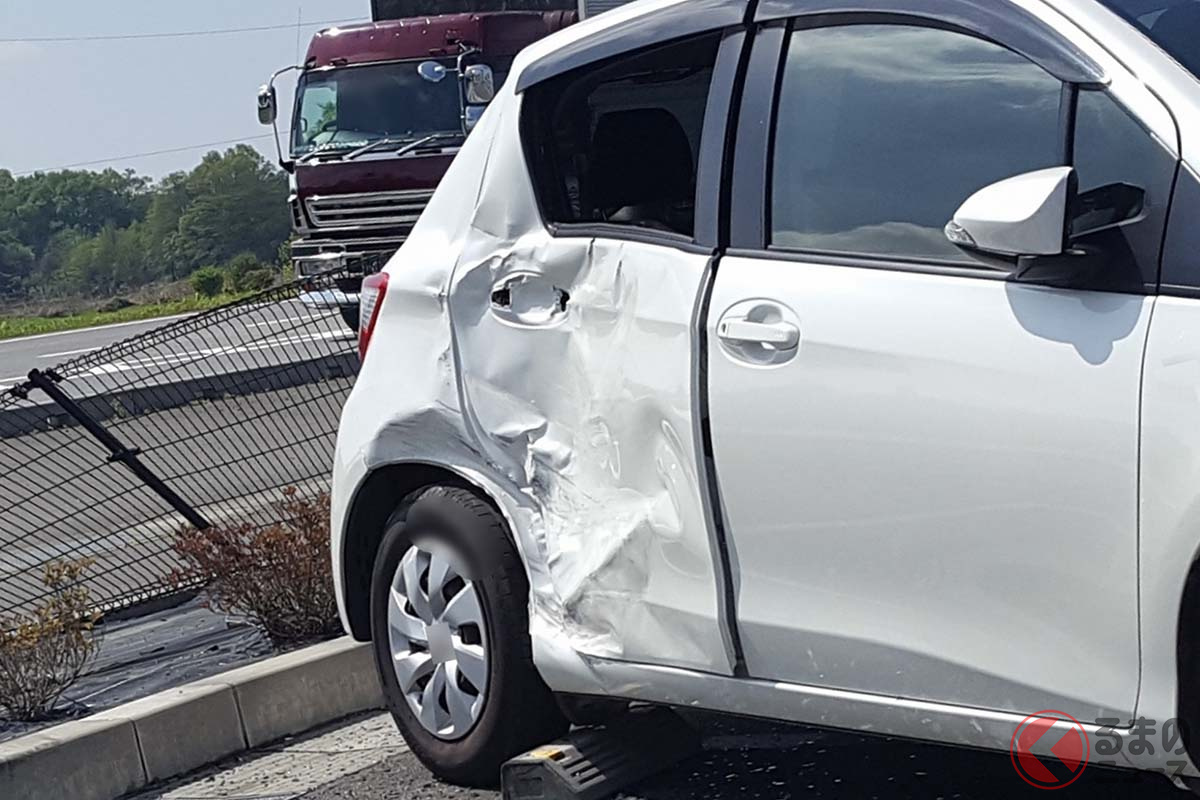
[{"x": 155, "y": 651}]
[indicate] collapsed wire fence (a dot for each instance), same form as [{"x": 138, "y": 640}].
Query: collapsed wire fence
[{"x": 201, "y": 422}]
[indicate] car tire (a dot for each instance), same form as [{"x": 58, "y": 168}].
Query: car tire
[
  {"x": 350, "y": 316},
  {"x": 439, "y": 532}
]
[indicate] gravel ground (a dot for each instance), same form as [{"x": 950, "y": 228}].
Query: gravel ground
[
  {"x": 401, "y": 777},
  {"x": 761, "y": 761},
  {"x": 365, "y": 759},
  {"x": 288, "y": 769}
]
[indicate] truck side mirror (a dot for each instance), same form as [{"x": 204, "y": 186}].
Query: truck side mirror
[
  {"x": 432, "y": 71},
  {"x": 268, "y": 108},
  {"x": 480, "y": 83},
  {"x": 472, "y": 115}
]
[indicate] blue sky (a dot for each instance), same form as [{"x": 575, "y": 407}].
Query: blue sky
[{"x": 86, "y": 101}]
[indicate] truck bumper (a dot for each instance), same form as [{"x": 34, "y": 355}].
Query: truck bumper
[
  {"x": 329, "y": 298},
  {"x": 355, "y": 257}
]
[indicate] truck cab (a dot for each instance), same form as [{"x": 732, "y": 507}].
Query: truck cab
[{"x": 380, "y": 110}]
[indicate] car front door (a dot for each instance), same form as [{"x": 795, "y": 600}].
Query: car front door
[{"x": 928, "y": 471}]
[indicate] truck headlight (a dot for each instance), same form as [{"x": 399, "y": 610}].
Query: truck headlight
[{"x": 316, "y": 265}]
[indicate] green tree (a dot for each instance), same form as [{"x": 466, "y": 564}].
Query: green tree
[
  {"x": 16, "y": 264},
  {"x": 238, "y": 204},
  {"x": 49, "y": 274},
  {"x": 99, "y": 233},
  {"x": 170, "y": 201},
  {"x": 41, "y": 205}
]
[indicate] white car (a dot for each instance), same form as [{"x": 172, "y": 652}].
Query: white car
[{"x": 831, "y": 361}]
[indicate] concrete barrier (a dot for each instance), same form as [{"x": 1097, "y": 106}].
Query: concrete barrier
[{"x": 174, "y": 732}]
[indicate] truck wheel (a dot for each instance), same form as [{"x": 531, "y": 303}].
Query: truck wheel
[
  {"x": 350, "y": 316},
  {"x": 450, "y": 632}
]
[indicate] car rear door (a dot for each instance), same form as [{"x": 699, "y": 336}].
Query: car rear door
[
  {"x": 928, "y": 471},
  {"x": 576, "y": 313}
]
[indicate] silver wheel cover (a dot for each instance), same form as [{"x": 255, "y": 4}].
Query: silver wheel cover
[{"x": 438, "y": 641}]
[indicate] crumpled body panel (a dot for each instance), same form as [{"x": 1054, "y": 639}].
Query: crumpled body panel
[
  {"x": 588, "y": 410},
  {"x": 559, "y": 377}
]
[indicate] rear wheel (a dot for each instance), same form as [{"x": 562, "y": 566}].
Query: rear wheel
[{"x": 450, "y": 632}]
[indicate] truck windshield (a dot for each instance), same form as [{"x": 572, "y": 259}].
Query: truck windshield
[
  {"x": 348, "y": 107},
  {"x": 1174, "y": 25}
]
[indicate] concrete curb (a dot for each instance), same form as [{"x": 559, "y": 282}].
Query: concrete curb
[{"x": 174, "y": 732}]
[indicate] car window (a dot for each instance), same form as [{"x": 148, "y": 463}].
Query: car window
[
  {"x": 619, "y": 143},
  {"x": 883, "y": 131},
  {"x": 1174, "y": 25},
  {"x": 1125, "y": 177}
]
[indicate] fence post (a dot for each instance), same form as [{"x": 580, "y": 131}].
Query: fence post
[{"x": 47, "y": 382}]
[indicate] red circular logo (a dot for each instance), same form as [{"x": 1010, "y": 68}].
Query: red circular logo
[{"x": 1064, "y": 746}]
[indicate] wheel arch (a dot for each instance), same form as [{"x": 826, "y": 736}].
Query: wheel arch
[
  {"x": 374, "y": 503},
  {"x": 1187, "y": 652}
]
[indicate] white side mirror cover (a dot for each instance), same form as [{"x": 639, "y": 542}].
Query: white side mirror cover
[{"x": 1021, "y": 216}]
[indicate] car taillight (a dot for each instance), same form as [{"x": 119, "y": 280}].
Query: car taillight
[{"x": 374, "y": 287}]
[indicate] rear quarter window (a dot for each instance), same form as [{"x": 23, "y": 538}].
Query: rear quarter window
[{"x": 618, "y": 143}]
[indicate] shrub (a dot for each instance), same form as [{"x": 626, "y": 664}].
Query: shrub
[
  {"x": 42, "y": 655},
  {"x": 238, "y": 271},
  {"x": 256, "y": 280},
  {"x": 278, "y": 576},
  {"x": 208, "y": 281}
]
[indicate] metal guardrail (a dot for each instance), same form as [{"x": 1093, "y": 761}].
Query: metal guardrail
[{"x": 202, "y": 421}]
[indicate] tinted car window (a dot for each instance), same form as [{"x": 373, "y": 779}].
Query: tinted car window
[
  {"x": 1174, "y": 25},
  {"x": 884, "y": 130},
  {"x": 619, "y": 143},
  {"x": 1125, "y": 178}
]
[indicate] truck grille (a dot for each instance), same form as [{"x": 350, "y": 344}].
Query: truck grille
[{"x": 375, "y": 209}]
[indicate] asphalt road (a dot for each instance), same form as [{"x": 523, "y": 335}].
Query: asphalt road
[
  {"x": 260, "y": 335},
  {"x": 19, "y": 356},
  {"x": 226, "y": 409},
  {"x": 748, "y": 760}
]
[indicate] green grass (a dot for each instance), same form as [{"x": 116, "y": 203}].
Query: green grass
[{"x": 12, "y": 327}]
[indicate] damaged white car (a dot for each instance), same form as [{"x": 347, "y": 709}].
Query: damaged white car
[{"x": 822, "y": 360}]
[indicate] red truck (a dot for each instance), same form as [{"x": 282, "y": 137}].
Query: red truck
[{"x": 380, "y": 110}]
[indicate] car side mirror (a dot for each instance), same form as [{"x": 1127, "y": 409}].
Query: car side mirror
[
  {"x": 268, "y": 108},
  {"x": 1023, "y": 216},
  {"x": 480, "y": 84}
]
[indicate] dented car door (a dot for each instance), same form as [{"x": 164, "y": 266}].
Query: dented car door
[{"x": 576, "y": 344}]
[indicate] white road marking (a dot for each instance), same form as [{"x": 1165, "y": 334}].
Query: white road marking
[
  {"x": 134, "y": 364},
  {"x": 283, "y": 321},
  {"x": 70, "y": 352}
]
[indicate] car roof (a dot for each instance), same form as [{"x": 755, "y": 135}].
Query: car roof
[{"x": 630, "y": 27}]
